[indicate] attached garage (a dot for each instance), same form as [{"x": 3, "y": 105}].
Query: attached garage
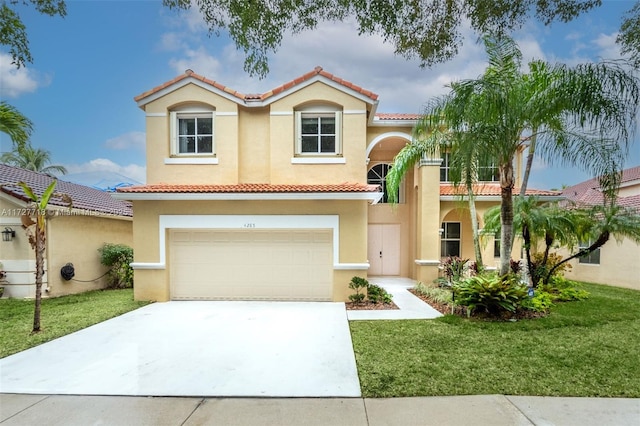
[{"x": 251, "y": 264}]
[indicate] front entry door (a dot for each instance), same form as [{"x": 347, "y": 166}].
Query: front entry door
[{"x": 384, "y": 249}]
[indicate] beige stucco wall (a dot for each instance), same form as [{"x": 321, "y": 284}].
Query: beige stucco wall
[
  {"x": 619, "y": 265},
  {"x": 76, "y": 239},
  {"x": 71, "y": 238},
  {"x": 225, "y": 139},
  {"x": 256, "y": 145},
  {"x": 153, "y": 284}
]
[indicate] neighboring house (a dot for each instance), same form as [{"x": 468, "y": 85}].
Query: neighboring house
[
  {"x": 281, "y": 195},
  {"x": 73, "y": 236},
  {"x": 615, "y": 263},
  {"x": 101, "y": 180}
]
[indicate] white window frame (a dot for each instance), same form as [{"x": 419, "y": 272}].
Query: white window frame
[
  {"x": 190, "y": 112},
  {"x": 319, "y": 110}
]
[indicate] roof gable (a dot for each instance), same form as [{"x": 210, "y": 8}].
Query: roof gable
[{"x": 257, "y": 100}]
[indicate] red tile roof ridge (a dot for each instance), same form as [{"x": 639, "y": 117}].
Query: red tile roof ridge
[{"x": 253, "y": 97}]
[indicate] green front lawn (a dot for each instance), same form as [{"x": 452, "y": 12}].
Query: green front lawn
[
  {"x": 587, "y": 348},
  {"x": 60, "y": 316}
]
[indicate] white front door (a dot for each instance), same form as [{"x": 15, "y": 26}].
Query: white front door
[{"x": 384, "y": 249}]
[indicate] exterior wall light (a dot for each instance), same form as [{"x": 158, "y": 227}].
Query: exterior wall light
[{"x": 8, "y": 234}]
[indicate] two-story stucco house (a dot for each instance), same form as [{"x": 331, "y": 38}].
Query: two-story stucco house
[{"x": 281, "y": 196}]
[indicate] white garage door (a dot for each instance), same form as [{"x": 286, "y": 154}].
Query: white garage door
[{"x": 271, "y": 264}]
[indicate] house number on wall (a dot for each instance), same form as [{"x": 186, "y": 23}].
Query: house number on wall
[{"x": 249, "y": 225}]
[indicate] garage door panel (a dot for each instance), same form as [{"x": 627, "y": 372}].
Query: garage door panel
[{"x": 251, "y": 264}]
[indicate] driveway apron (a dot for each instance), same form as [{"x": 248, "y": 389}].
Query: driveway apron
[{"x": 197, "y": 348}]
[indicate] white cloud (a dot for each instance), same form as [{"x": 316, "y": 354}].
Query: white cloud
[
  {"x": 133, "y": 171},
  {"x": 17, "y": 81},
  {"x": 198, "y": 60},
  {"x": 607, "y": 47},
  {"x": 128, "y": 140}
]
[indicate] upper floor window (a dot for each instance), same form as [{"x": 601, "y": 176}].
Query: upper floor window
[
  {"x": 377, "y": 175},
  {"x": 192, "y": 132},
  {"x": 318, "y": 131},
  {"x": 486, "y": 171}
]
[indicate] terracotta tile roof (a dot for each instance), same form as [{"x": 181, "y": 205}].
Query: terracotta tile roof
[
  {"x": 397, "y": 116},
  {"x": 83, "y": 197},
  {"x": 260, "y": 97},
  {"x": 249, "y": 188},
  {"x": 588, "y": 192},
  {"x": 490, "y": 189}
]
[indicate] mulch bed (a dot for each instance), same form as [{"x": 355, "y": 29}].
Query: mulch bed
[
  {"x": 368, "y": 306},
  {"x": 445, "y": 309}
]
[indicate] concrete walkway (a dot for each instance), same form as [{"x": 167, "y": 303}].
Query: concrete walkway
[
  {"x": 489, "y": 410},
  {"x": 410, "y": 306}
]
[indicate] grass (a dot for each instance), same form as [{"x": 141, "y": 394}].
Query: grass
[
  {"x": 59, "y": 316},
  {"x": 587, "y": 348}
]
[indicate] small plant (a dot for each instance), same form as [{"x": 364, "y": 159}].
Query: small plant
[
  {"x": 377, "y": 294},
  {"x": 453, "y": 268},
  {"x": 516, "y": 267},
  {"x": 358, "y": 284},
  {"x": 117, "y": 257},
  {"x": 490, "y": 293},
  {"x": 539, "y": 269},
  {"x": 541, "y": 302},
  {"x": 437, "y": 294},
  {"x": 562, "y": 290}
]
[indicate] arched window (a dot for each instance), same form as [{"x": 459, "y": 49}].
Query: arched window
[{"x": 378, "y": 176}]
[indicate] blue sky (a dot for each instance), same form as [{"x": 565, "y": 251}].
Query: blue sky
[{"x": 89, "y": 65}]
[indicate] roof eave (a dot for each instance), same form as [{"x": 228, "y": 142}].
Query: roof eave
[{"x": 372, "y": 197}]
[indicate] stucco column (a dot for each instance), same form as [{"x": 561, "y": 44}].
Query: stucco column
[{"x": 428, "y": 220}]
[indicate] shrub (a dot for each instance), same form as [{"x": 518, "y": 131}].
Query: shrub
[
  {"x": 376, "y": 294},
  {"x": 438, "y": 295},
  {"x": 563, "y": 290},
  {"x": 539, "y": 271},
  {"x": 118, "y": 258},
  {"x": 491, "y": 293},
  {"x": 453, "y": 268},
  {"x": 541, "y": 302},
  {"x": 515, "y": 266},
  {"x": 358, "y": 284}
]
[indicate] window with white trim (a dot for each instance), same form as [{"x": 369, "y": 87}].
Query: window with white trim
[
  {"x": 496, "y": 245},
  {"x": 450, "y": 241},
  {"x": 486, "y": 172},
  {"x": 592, "y": 258},
  {"x": 377, "y": 175},
  {"x": 318, "y": 131},
  {"x": 192, "y": 132}
]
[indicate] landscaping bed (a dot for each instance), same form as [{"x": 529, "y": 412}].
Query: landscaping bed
[{"x": 369, "y": 306}]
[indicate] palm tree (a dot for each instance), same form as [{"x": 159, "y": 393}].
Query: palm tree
[
  {"x": 578, "y": 116},
  {"x": 608, "y": 220},
  {"x": 14, "y": 124},
  {"x": 538, "y": 221},
  {"x": 34, "y": 159}
]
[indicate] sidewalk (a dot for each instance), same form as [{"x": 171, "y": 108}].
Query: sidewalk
[{"x": 489, "y": 410}]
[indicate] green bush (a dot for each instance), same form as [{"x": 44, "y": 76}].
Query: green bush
[
  {"x": 490, "y": 293},
  {"x": 376, "y": 294},
  {"x": 358, "y": 284},
  {"x": 564, "y": 290},
  {"x": 118, "y": 258},
  {"x": 541, "y": 302}
]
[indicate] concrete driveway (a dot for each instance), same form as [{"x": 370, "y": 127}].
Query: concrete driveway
[{"x": 197, "y": 348}]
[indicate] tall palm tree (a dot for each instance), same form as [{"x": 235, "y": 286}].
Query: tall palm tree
[
  {"x": 34, "y": 159},
  {"x": 538, "y": 222},
  {"x": 14, "y": 124},
  {"x": 577, "y": 116}
]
